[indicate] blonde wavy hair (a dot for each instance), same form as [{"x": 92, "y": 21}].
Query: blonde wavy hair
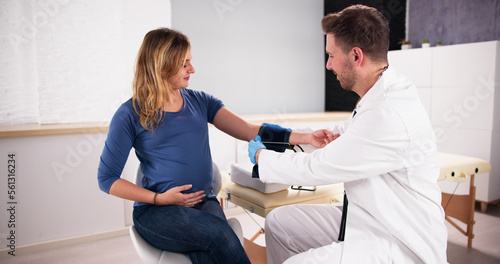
[{"x": 161, "y": 57}]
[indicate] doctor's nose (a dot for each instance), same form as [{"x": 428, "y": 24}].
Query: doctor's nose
[{"x": 329, "y": 65}]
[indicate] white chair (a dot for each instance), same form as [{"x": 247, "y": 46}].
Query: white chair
[{"x": 152, "y": 255}]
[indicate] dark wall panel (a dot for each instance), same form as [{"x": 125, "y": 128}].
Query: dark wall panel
[
  {"x": 336, "y": 98},
  {"x": 453, "y": 21}
]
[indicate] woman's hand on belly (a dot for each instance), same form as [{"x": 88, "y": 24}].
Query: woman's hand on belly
[{"x": 174, "y": 196}]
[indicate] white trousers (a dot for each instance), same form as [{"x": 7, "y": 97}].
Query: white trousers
[{"x": 303, "y": 234}]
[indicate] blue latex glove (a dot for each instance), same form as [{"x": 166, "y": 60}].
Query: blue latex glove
[{"x": 253, "y": 146}]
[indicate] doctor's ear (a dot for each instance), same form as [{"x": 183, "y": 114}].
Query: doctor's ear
[{"x": 358, "y": 55}]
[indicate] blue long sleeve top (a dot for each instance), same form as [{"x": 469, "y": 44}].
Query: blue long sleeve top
[{"x": 175, "y": 153}]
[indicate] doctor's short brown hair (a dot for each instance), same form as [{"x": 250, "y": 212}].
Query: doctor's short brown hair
[{"x": 359, "y": 26}]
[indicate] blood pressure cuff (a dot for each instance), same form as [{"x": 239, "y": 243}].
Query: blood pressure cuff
[{"x": 274, "y": 137}]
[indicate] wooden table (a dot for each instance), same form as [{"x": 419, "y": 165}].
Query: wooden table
[{"x": 460, "y": 168}]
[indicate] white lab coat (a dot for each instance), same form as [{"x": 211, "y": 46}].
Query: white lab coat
[{"x": 387, "y": 159}]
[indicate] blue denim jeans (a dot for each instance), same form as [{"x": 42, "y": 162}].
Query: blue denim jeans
[{"x": 201, "y": 231}]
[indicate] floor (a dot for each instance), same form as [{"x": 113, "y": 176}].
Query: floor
[
  {"x": 485, "y": 246},
  {"x": 486, "y": 243}
]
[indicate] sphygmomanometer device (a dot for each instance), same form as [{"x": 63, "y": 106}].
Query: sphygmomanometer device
[{"x": 276, "y": 138}]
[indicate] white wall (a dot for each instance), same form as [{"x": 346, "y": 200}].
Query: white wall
[
  {"x": 259, "y": 56},
  {"x": 56, "y": 189},
  {"x": 66, "y": 61},
  {"x": 70, "y": 61}
]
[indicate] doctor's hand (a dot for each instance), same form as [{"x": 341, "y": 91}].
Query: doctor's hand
[
  {"x": 253, "y": 147},
  {"x": 174, "y": 196},
  {"x": 321, "y": 138}
]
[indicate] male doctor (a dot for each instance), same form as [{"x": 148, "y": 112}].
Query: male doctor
[{"x": 386, "y": 156}]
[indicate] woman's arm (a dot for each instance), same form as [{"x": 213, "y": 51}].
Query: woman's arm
[
  {"x": 233, "y": 125},
  {"x": 127, "y": 190},
  {"x": 174, "y": 196},
  {"x": 319, "y": 138}
]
